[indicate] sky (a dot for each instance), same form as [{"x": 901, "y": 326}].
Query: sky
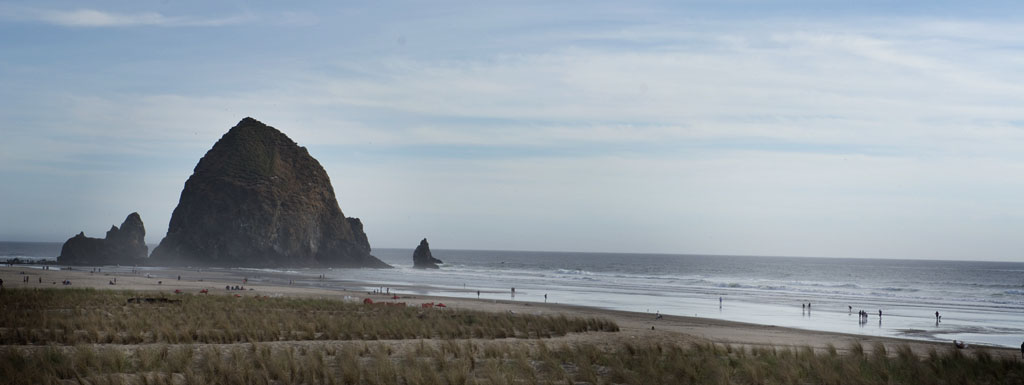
[{"x": 875, "y": 129}]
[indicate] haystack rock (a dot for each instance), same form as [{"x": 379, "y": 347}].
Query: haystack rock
[
  {"x": 257, "y": 199},
  {"x": 422, "y": 259},
  {"x": 122, "y": 246}
]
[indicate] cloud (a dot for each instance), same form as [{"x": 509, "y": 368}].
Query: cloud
[
  {"x": 91, "y": 18},
  {"x": 817, "y": 90},
  {"x": 820, "y": 87}
]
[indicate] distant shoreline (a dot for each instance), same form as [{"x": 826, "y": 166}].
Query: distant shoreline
[
  {"x": 440, "y": 251},
  {"x": 678, "y": 328}
]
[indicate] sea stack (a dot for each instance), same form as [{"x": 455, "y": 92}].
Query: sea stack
[
  {"x": 122, "y": 246},
  {"x": 422, "y": 259},
  {"x": 258, "y": 199}
]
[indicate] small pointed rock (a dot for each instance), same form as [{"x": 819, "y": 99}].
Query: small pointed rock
[{"x": 422, "y": 259}]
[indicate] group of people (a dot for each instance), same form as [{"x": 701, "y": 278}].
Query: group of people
[
  {"x": 864, "y": 314},
  {"x": 236, "y": 287}
]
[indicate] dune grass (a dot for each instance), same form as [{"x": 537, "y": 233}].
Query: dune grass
[
  {"x": 100, "y": 316},
  {"x": 496, "y": 362},
  {"x": 452, "y": 352}
]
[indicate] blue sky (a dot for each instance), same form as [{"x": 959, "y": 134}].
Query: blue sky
[{"x": 876, "y": 129}]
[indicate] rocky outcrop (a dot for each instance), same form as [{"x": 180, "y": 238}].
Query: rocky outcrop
[
  {"x": 422, "y": 259},
  {"x": 257, "y": 199},
  {"x": 122, "y": 246}
]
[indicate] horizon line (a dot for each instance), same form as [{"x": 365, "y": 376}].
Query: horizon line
[{"x": 635, "y": 252}]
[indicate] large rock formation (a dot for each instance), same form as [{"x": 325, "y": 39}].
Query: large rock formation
[
  {"x": 422, "y": 259},
  {"x": 122, "y": 246},
  {"x": 257, "y": 199}
]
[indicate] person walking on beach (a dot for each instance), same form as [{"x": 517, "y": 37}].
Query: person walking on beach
[
  {"x": 545, "y": 297},
  {"x": 879, "y": 313},
  {"x": 478, "y": 294}
]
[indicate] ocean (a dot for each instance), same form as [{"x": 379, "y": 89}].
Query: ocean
[{"x": 979, "y": 302}]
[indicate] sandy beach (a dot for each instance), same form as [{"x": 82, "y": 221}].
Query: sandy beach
[{"x": 682, "y": 330}]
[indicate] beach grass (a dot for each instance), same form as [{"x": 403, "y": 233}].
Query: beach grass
[
  {"x": 300, "y": 351},
  {"x": 100, "y": 316},
  {"x": 471, "y": 362}
]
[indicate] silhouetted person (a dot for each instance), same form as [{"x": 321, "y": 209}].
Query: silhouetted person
[
  {"x": 879, "y": 313},
  {"x": 545, "y": 297},
  {"x": 1022, "y": 350},
  {"x": 478, "y": 294},
  {"x": 851, "y": 309}
]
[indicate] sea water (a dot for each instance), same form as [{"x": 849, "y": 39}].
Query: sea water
[{"x": 980, "y": 302}]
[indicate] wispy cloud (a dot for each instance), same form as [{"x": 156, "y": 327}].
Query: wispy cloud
[
  {"x": 825, "y": 87},
  {"x": 92, "y": 18}
]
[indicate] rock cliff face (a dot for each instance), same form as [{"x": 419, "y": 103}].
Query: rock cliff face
[
  {"x": 122, "y": 246},
  {"x": 422, "y": 259},
  {"x": 257, "y": 199}
]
